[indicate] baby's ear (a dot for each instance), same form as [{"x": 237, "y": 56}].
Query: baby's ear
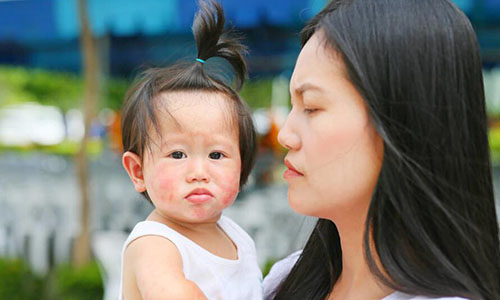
[{"x": 133, "y": 165}]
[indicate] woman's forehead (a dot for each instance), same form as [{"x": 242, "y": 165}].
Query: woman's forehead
[{"x": 316, "y": 64}]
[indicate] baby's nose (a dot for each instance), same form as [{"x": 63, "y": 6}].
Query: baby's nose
[{"x": 197, "y": 172}]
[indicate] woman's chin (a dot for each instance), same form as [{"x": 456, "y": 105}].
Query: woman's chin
[{"x": 302, "y": 204}]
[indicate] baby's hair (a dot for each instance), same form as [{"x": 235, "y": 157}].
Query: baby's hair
[{"x": 141, "y": 103}]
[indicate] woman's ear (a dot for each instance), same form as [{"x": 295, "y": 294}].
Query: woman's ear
[{"x": 133, "y": 165}]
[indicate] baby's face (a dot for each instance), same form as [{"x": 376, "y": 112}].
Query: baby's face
[{"x": 193, "y": 169}]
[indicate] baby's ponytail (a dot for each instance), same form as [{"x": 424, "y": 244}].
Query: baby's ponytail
[{"x": 213, "y": 41}]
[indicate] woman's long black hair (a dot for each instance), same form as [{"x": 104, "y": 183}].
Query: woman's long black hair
[{"x": 432, "y": 216}]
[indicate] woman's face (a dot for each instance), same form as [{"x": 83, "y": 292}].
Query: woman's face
[{"x": 335, "y": 155}]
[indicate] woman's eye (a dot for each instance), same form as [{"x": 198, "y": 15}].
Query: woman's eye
[
  {"x": 178, "y": 155},
  {"x": 309, "y": 110},
  {"x": 215, "y": 155}
]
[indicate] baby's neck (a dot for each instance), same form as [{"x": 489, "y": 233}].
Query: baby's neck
[
  {"x": 209, "y": 235},
  {"x": 184, "y": 228}
]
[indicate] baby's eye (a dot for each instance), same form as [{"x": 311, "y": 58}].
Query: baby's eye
[
  {"x": 215, "y": 155},
  {"x": 178, "y": 155}
]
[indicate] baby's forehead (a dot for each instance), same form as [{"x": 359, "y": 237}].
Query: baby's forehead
[
  {"x": 196, "y": 110},
  {"x": 183, "y": 97}
]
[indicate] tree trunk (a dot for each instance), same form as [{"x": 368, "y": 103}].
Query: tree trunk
[{"x": 81, "y": 249}]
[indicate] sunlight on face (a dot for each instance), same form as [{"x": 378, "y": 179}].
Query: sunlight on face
[{"x": 332, "y": 144}]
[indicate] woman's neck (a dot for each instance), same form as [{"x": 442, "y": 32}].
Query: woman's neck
[{"x": 356, "y": 280}]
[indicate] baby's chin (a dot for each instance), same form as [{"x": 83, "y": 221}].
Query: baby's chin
[
  {"x": 201, "y": 215},
  {"x": 188, "y": 218}
]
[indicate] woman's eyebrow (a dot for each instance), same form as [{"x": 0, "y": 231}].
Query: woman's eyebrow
[{"x": 306, "y": 86}]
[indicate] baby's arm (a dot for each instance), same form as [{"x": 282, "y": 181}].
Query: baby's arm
[{"x": 156, "y": 265}]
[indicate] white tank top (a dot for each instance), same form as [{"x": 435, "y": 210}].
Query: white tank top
[{"x": 217, "y": 277}]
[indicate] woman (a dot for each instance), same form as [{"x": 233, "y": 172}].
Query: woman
[{"x": 388, "y": 147}]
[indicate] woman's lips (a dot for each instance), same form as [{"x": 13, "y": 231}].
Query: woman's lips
[
  {"x": 199, "y": 195},
  {"x": 291, "y": 172}
]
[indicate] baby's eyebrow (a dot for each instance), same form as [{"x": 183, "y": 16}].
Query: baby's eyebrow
[
  {"x": 213, "y": 140},
  {"x": 223, "y": 141}
]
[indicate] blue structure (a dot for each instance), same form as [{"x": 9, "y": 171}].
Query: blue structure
[
  {"x": 58, "y": 19},
  {"x": 131, "y": 33}
]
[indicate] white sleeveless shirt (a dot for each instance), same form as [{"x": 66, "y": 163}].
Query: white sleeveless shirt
[{"x": 217, "y": 277}]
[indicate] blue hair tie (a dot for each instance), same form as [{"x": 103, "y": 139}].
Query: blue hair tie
[{"x": 200, "y": 60}]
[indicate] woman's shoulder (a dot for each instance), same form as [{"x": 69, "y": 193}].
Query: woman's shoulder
[
  {"x": 403, "y": 296},
  {"x": 278, "y": 272},
  {"x": 282, "y": 268}
]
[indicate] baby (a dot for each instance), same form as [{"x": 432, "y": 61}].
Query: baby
[{"x": 189, "y": 145}]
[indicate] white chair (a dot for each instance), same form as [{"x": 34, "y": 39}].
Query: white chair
[{"x": 107, "y": 247}]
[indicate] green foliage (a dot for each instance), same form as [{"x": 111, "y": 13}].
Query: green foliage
[
  {"x": 50, "y": 88},
  {"x": 494, "y": 139},
  {"x": 57, "y": 89},
  {"x": 63, "y": 90},
  {"x": 17, "y": 282},
  {"x": 257, "y": 93},
  {"x": 94, "y": 148},
  {"x": 78, "y": 284},
  {"x": 115, "y": 91},
  {"x": 267, "y": 266}
]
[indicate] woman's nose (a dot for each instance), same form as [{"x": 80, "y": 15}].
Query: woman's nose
[
  {"x": 287, "y": 137},
  {"x": 197, "y": 172}
]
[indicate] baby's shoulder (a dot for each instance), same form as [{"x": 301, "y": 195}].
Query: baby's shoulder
[
  {"x": 155, "y": 249},
  {"x": 152, "y": 242},
  {"x": 157, "y": 268}
]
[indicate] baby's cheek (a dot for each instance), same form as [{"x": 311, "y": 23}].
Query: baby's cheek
[
  {"x": 165, "y": 187},
  {"x": 230, "y": 189},
  {"x": 229, "y": 198}
]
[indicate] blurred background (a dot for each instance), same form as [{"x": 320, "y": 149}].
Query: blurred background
[{"x": 66, "y": 204}]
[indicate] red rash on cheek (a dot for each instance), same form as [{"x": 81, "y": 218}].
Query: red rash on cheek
[
  {"x": 165, "y": 182},
  {"x": 229, "y": 198},
  {"x": 231, "y": 189}
]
